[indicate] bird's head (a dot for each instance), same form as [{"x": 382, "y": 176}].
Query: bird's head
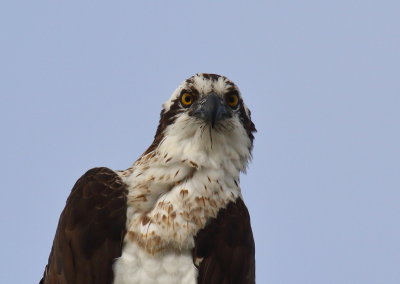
[{"x": 205, "y": 115}]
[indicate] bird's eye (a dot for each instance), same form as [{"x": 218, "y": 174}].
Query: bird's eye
[
  {"x": 186, "y": 99},
  {"x": 232, "y": 100}
]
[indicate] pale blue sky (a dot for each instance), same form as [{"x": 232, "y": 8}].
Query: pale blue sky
[{"x": 82, "y": 83}]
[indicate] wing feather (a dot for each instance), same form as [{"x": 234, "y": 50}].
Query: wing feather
[
  {"x": 226, "y": 246},
  {"x": 90, "y": 231}
]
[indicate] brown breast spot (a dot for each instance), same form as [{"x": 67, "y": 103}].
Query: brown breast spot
[
  {"x": 184, "y": 193},
  {"x": 145, "y": 220},
  {"x": 141, "y": 197},
  {"x": 200, "y": 200},
  {"x": 194, "y": 165}
]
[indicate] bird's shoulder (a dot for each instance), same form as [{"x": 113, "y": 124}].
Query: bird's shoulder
[
  {"x": 90, "y": 231},
  {"x": 225, "y": 247}
]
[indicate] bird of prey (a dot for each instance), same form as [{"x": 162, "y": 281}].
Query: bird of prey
[{"x": 177, "y": 214}]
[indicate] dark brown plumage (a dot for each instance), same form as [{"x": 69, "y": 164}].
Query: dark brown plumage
[
  {"x": 226, "y": 245},
  {"x": 90, "y": 231}
]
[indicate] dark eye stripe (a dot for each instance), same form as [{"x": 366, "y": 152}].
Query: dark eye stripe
[{"x": 246, "y": 121}]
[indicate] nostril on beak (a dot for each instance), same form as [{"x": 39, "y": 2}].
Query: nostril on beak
[{"x": 212, "y": 110}]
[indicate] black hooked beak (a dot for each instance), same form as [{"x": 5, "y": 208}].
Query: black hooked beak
[{"x": 212, "y": 110}]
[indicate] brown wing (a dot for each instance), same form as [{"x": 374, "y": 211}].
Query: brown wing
[
  {"x": 226, "y": 245},
  {"x": 90, "y": 231}
]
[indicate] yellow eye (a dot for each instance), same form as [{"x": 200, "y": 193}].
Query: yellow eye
[
  {"x": 186, "y": 99},
  {"x": 232, "y": 100}
]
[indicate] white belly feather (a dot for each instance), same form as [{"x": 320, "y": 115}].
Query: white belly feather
[{"x": 136, "y": 266}]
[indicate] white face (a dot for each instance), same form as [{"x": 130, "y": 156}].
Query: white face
[
  {"x": 204, "y": 84},
  {"x": 190, "y": 100},
  {"x": 206, "y": 118}
]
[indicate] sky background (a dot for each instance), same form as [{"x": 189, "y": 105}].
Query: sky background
[{"x": 82, "y": 83}]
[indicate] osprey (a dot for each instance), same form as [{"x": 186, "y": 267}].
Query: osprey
[{"x": 177, "y": 214}]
